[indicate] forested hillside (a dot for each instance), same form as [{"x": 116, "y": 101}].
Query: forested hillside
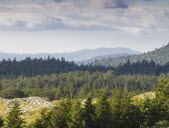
[
  {"x": 86, "y": 62},
  {"x": 81, "y": 55},
  {"x": 142, "y": 67},
  {"x": 159, "y": 56},
  {"x": 33, "y": 67},
  {"x": 115, "y": 107},
  {"x": 74, "y": 84},
  {"x": 108, "y": 110}
]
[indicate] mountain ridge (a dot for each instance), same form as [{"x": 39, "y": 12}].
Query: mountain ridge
[
  {"x": 98, "y": 58},
  {"x": 80, "y": 55},
  {"x": 159, "y": 56}
]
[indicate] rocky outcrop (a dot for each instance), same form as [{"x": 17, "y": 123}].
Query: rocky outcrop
[
  {"x": 30, "y": 100},
  {"x": 147, "y": 95}
]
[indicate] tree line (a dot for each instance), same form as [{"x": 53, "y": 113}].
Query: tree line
[
  {"x": 116, "y": 111},
  {"x": 143, "y": 67},
  {"x": 75, "y": 84},
  {"x": 159, "y": 56},
  {"x": 34, "y": 67}
]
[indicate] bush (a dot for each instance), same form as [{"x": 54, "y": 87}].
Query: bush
[{"x": 11, "y": 93}]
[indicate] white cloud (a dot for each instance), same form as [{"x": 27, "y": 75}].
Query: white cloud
[
  {"x": 51, "y": 15},
  {"x": 102, "y": 3}
]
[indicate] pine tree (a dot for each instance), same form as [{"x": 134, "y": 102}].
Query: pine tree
[
  {"x": 103, "y": 112},
  {"x": 14, "y": 120},
  {"x": 116, "y": 106},
  {"x": 75, "y": 116},
  {"x": 43, "y": 121},
  {"x": 89, "y": 113},
  {"x": 60, "y": 114}
]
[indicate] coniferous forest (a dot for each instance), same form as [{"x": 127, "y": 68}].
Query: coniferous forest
[
  {"x": 116, "y": 110},
  {"x": 84, "y": 64},
  {"x": 90, "y": 96},
  {"x": 33, "y": 67}
]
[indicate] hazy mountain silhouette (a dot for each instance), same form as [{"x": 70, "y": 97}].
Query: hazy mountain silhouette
[{"x": 81, "y": 55}]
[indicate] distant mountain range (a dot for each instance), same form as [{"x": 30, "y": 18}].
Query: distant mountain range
[
  {"x": 87, "y": 54},
  {"x": 98, "y": 58},
  {"x": 159, "y": 56}
]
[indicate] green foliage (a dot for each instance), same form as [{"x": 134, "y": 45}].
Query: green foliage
[
  {"x": 76, "y": 84},
  {"x": 162, "y": 99},
  {"x": 159, "y": 56},
  {"x": 33, "y": 67},
  {"x": 14, "y": 120},
  {"x": 150, "y": 113},
  {"x": 117, "y": 111},
  {"x": 11, "y": 93},
  {"x": 43, "y": 121},
  {"x": 1, "y": 122},
  {"x": 103, "y": 112},
  {"x": 75, "y": 116},
  {"x": 125, "y": 114},
  {"x": 60, "y": 115},
  {"x": 89, "y": 114}
]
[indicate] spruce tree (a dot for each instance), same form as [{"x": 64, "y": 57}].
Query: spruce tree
[
  {"x": 14, "y": 120},
  {"x": 43, "y": 121},
  {"x": 60, "y": 114},
  {"x": 103, "y": 112},
  {"x": 88, "y": 114},
  {"x": 116, "y": 106},
  {"x": 75, "y": 116}
]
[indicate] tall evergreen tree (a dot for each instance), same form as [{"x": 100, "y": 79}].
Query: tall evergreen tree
[
  {"x": 14, "y": 120},
  {"x": 60, "y": 114},
  {"x": 125, "y": 113},
  {"x": 89, "y": 114},
  {"x": 116, "y": 106},
  {"x": 103, "y": 111},
  {"x": 75, "y": 116},
  {"x": 43, "y": 121}
]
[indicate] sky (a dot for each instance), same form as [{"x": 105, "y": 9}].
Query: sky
[{"x": 56, "y": 26}]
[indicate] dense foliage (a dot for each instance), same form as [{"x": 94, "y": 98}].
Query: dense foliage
[
  {"x": 159, "y": 56},
  {"x": 33, "y": 67},
  {"x": 113, "y": 108},
  {"x": 1, "y": 122},
  {"x": 14, "y": 120},
  {"x": 12, "y": 93},
  {"x": 144, "y": 68},
  {"x": 119, "y": 110},
  {"x": 74, "y": 84}
]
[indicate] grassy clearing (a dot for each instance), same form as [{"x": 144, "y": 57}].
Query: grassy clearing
[{"x": 30, "y": 111}]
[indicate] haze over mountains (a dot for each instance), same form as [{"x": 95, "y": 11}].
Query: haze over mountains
[
  {"x": 77, "y": 56},
  {"x": 98, "y": 58},
  {"x": 159, "y": 56}
]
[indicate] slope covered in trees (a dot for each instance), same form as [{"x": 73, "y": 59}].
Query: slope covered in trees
[
  {"x": 85, "y": 62},
  {"x": 81, "y": 55},
  {"x": 144, "y": 68},
  {"x": 33, "y": 67},
  {"x": 159, "y": 56},
  {"x": 118, "y": 110},
  {"x": 74, "y": 84}
]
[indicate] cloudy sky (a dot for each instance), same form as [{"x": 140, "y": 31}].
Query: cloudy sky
[{"x": 52, "y": 26}]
